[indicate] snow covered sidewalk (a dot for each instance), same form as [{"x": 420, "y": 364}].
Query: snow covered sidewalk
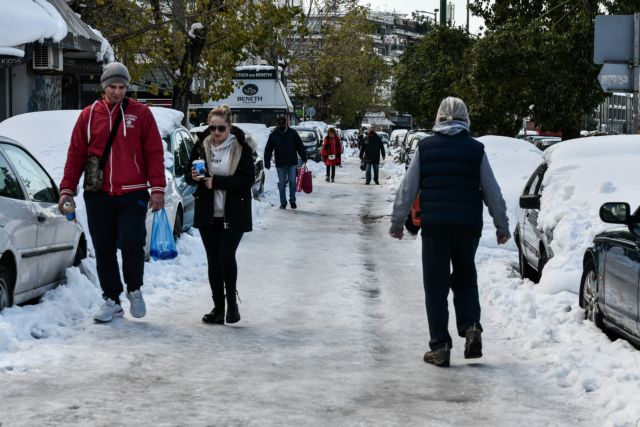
[{"x": 333, "y": 331}]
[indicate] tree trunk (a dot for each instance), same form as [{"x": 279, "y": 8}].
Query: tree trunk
[{"x": 188, "y": 67}]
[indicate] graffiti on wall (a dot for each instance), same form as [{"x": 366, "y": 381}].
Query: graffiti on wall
[{"x": 46, "y": 94}]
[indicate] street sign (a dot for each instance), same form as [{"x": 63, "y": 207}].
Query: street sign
[
  {"x": 613, "y": 39},
  {"x": 616, "y": 78}
]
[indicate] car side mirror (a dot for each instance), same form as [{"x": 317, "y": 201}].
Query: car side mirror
[
  {"x": 530, "y": 201},
  {"x": 615, "y": 213}
]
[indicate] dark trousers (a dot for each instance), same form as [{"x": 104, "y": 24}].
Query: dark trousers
[
  {"x": 439, "y": 254},
  {"x": 118, "y": 222},
  {"x": 373, "y": 166},
  {"x": 331, "y": 172},
  {"x": 220, "y": 245}
]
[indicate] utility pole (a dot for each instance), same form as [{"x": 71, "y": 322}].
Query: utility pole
[
  {"x": 467, "y": 16},
  {"x": 443, "y": 12},
  {"x": 636, "y": 71}
]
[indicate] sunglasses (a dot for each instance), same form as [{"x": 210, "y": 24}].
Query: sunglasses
[{"x": 217, "y": 128}]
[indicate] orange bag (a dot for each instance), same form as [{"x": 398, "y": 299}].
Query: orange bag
[{"x": 415, "y": 212}]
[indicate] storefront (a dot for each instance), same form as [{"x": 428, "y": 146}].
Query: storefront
[{"x": 258, "y": 97}]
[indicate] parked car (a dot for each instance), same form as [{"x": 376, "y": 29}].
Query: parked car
[
  {"x": 51, "y": 150},
  {"x": 533, "y": 244},
  {"x": 397, "y": 136},
  {"x": 557, "y": 214},
  {"x": 178, "y": 144},
  {"x": 410, "y": 145},
  {"x": 544, "y": 143},
  {"x": 609, "y": 288},
  {"x": 312, "y": 140},
  {"x": 258, "y": 184},
  {"x": 37, "y": 242}
]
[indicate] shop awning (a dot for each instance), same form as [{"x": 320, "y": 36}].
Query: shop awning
[{"x": 80, "y": 36}]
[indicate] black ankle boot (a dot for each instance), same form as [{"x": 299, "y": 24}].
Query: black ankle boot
[
  {"x": 216, "y": 316},
  {"x": 233, "y": 314}
]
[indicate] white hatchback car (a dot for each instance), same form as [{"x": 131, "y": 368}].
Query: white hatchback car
[
  {"x": 37, "y": 243},
  {"x": 50, "y": 149}
]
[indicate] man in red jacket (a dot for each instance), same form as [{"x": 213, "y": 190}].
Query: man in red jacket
[{"x": 117, "y": 213}]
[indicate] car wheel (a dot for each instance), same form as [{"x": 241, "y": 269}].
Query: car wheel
[
  {"x": 81, "y": 253},
  {"x": 5, "y": 288},
  {"x": 590, "y": 294},
  {"x": 177, "y": 225}
]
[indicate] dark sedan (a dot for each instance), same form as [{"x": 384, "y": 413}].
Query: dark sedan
[{"x": 610, "y": 285}]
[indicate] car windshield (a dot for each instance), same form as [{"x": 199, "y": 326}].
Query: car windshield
[{"x": 307, "y": 136}]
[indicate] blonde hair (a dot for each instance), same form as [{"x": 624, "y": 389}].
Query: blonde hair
[{"x": 221, "y": 111}]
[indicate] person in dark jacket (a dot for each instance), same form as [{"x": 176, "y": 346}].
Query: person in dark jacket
[
  {"x": 451, "y": 173},
  {"x": 287, "y": 146},
  {"x": 371, "y": 151},
  {"x": 223, "y": 207}
]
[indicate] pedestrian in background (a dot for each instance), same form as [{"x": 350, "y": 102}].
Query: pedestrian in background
[
  {"x": 117, "y": 212},
  {"x": 287, "y": 146},
  {"x": 451, "y": 173},
  {"x": 223, "y": 207},
  {"x": 370, "y": 152},
  {"x": 331, "y": 153}
]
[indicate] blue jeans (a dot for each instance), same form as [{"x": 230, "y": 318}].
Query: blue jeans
[
  {"x": 439, "y": 254},
  {"x": 284, "y": 173},
  {"x": 373, "y": 166}
]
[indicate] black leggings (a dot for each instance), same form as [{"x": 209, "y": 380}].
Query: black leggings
[
  {"x": 221, "y": 245},
  {"x": 332, "y": 170}
]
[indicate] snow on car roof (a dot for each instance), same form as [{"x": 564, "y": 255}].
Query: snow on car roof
[{"x": 583, "y": 174}]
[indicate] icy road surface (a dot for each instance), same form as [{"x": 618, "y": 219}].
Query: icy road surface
[{"x": 333, "y": 332}]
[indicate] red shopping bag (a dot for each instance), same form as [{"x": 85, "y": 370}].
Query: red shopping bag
[
  {"x": 299, "y": 174},
  {"x": 304, "y": 180},
  {"x": 307, "y": 181}
]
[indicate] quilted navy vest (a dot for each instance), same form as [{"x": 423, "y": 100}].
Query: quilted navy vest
[{"x": 450, "y": 191}]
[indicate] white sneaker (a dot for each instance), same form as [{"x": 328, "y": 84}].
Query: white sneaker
[
  {"x": 138, "y": 308},
  {"x": 108, "y": 311}
]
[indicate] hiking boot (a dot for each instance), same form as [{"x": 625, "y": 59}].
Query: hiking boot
[
  {"x": 138, "y": 308},
  {"x": 233, "y": 314},
  {"x": 108, "y": 311},
  {"x": 283, "y": 206},
  {"x": 327, "y": 179},
  {"x": 377, "y": 183},
  {"x": 216, "y": 316},
  {"x": 473, "y": 343},
  {"x": 333, "y": 180},
  {"x": 439, "y": 357},
  {"x": 293, "y": 205},
  {"x": 366, "y": 183}
]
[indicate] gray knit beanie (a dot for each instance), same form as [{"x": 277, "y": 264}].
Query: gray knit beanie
[{"x": 114, "y": 72}]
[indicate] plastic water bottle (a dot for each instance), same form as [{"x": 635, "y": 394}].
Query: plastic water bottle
[{"x": 69, "y": 210}]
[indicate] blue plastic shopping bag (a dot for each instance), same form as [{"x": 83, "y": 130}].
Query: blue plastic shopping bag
[{"x": 162, "y": 244}]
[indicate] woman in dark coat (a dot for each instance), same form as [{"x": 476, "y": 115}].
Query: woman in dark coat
[
  {"x": 222, "y": 207},
  {"x": 331, "y": 151},
  {"x": 371, "y": 151}
]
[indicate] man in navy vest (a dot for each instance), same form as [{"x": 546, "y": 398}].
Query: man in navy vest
[{"x": 451, "y": 173}]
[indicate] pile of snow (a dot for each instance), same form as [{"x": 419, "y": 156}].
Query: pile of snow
[
  {"x": 512, "y": 161},
  {"x": 583, "y": 174},
  {"x": 32, "y": 21}
]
